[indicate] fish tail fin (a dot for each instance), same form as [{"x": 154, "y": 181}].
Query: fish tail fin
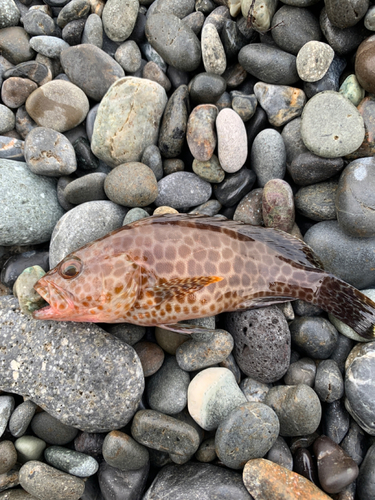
[{"x": 347, "y": 304}]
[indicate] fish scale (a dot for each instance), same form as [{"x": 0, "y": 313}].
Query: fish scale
[{"x": 166, "y": 269}]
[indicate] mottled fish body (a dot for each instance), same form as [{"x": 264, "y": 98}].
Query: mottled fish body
[{"x": 165, "y": 269}]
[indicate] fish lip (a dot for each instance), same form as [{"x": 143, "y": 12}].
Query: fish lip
[{"x": 48, "y": 290}]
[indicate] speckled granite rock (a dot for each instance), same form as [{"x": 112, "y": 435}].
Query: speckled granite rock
[
  {"x": 108, "y": 372},
  {"x": 121, "y": 134}
]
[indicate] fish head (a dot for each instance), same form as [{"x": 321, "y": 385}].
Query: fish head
[{"x": 94, "y": 290}]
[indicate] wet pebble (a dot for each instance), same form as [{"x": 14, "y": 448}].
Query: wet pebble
[
  {"x": 329, "y": 384},
  {"x": 234, "y": 187},
  {"x": 315, "y": 336},
  {"x": 174, "y": 122}
]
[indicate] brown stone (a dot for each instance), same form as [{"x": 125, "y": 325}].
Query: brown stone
[
  {"x": 152, "y": 71},
  {"x": 150, "y": 355},
  {"x": 367, "y": 110},
  {"x": 14, "y": 45},
  {"x": 365, "y": 64},
  {"x": 266, "y": 480},
  {"x": 278, "y": 205},
  {"x": 16, "y": 90},
  {"x": 33, "y": 70},
  {"x": 59, "y": 105},
  {"x": 201, "y": 136},
  {"x": 249, "y": 209}
]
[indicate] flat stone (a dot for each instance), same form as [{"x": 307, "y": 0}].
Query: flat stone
[
  {"x": 196, "y": 480},
  {"x": 174, "y": 7},
  {"x": 70, "y": 461},
  {"x": 331, "y": 125},
  {"x": 14, "y": 45},
  {"x": 15, "y": 91},
  {"x": 265, "y": 479},
  {"x": 29, "y": 197},
  {"x": 173, "y": 125},
  {"x": 120, "y": 137},
  {"x": 269, "y": 64},
  {"x": 234, "y": 442},
  {"x": 307, "y": 168},
  {"x": 33, "y": 70},
  {"x": 317, "y": 202},
  {"x": 49, "y": 46},
  {"x": 349, "y": 258},
  {"x": 212, "y": 395},
  {"x": 72, "y": 11},
  {"x": 46, "y": 482},
  {"x": 232, "y": 140},
  {"x": 122, "y": 388},
  {"x": 200, "y": 134},
  {"x": 313, "y": 61},
  {"x": 268, "y": 156},
  {"x": 114, "y": 482},
  {"x": 37, "y": 22},
  {"x": 119, "y": 27},
  {"x": 91, "y": 69},
  {"x": 182, "y": 190},
  {"x": 177, "y": 44},
  {"x": 213, "y": 54},
  {"x": 59, "y": 105},
  {"x": 280, "y": 102},
  {"x": 179, "y": 439},
  {"x": 265, "y": 361},
  {"x": 297, "y": 407}
]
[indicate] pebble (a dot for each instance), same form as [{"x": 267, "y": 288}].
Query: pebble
[
  {"x": 50, "y": 429},
  {"x": 329, "y": 384},
  {"x": 234, "y": 187},
  {"x": 182, "y": 190},
  {"x": 48, "y": 152},
  {"x": 21, "y": 418},
  {"x": 59, "y": 105},
  {"x": 358, "y": 388},
  {"x": 206, "y": 88},
  {"x": 37, "y": 22},
  {"x": 269, "y": 64},
  {"x": 87, "y": 409},
  {"x": 307, "y": 168},
  {"x": 294, "y": 27},
  {"x": 268, "y": 156},
  {"x": 173, "y": 126},
  {"x": 355, "y": 442},
  {"x": 343, "y": 130},
  {"x": 244, "y": 105},
  {"x": 335, "y": 421},
  {"x": 365, "y": 480},
  {"x": 129, "y": 56},
  {"x": 265, "y": 479},
  {"x": 304, "y": 464},
  {"x": 46, "y": 482},
  {"x": 10, "y": 15},
  {"x": 249, "y": 209},
  {"x": 91, "y": 69},
  {"x": 268, "y": 360},
  {"x": 208, "y": 406},
  {"x": 232, "y": 141},
  {"x": 87, "y": 188},
  {"x": 263, "y": 12},
  {"x": 8, "y": 456},
  {"x": 280, "y": 454},
  {"x": 7, "y": 119},
  {"x": 278, "y": 205},
  {"x": 177, "y": 44},
  {"x": 93, "y": 31},
  {"x": 298, "y": 409},
  {"x": 10, "y": 479},
  {"x": 119, "y": 27},
  {"x": 72, "y": 462},
  {"x": 206, "y": 451},
  {"x": 351, "y": 89},
  {"x": 123, "y": 452},
  {"x": 153, "y": 72},
  {"x": 167, "y": 388},
  {"x": 199, "y": 352},
  {"x": 254, "y": 390},
  {"x": 150, "y": 355},
  {"x": 335, "y": 468},
  {"x": 27, "y": 197},
  {"x": 29, "y": 300},
  {"x": 294, "y": 144},
  {"x": 49, "y": 46},
  {"x": 165, "y": 433},
  {"x": 317, "y": 202},
  {"x": 196, "y": 480},
  {"x": 234, "y": 442},
  {"x": 11, "y": 149},
  {"x": 15, "y": 45},
  {"x": 200, "y": 133},
  {"x": 301, "y": 372},
  {"x": 91, "y": 221},
  {"x": 351, "y": 259},
  {"x": 210, "y": 170},
  {"x": 16, "y": 90},
  {"x": 313, "y": 61},
  {"x": 14, "y": 266},
  {"x": 315, "y": 336},
  {"x": 114, "y": 482},
  {"x": 29, "y": 448},
  {"x": 111, "y": 141},
  {"x": 213, "y": 54},
  {"x": 367, "y": 148},
  {"x": 89, "y": 443},
  {"x": 345, "y": 14}
]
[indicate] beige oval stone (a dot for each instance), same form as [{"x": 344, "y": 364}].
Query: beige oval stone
[
  {"x": 59, "y": 105},
  {"x": 128, "y": 120},
  {"x": 232, "y": 140}
]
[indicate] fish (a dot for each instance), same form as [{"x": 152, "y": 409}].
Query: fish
[{"x": 164, "y": 270}]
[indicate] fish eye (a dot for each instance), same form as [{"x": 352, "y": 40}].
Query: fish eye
[{"x": 70, "y": 268}]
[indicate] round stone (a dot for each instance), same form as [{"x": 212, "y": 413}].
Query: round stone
[
  {"x": 90, "y": 221},
  {"x": 206, "y": 88},
  {"x": 93, "y": 31},
  {"x": 132, "y": 185},
  {"x": 48, "y": 152},
  {"x": 16, "y": 90},
  {"x": 315, "y": 336},
  {"x": 313, "y": 61},
  {"x": 351, "y": 89},
  {"x": 177, "y": 44},
  {"x": 307, "y": 168},
  {"x": 128, "y": 333},
  {"x": 280, "y": 454},
  {"x": 9, "y": 15},
  {"x": 51, "y": 430},
  {"x": 249, "y": 209},
  {"x": 26, "y": 197},
  {"x": 7, "y": 119},
  {"x": 182, "y": 190},
  {"x": 232, "y": 140},
  {"x": 346, "y": 13},
  {"x": 29, "y": 448},
  {"x": 128, "y": 120},
  {"x": 268, "y": 156},
  {"x": 15, "y": 45},
  {"x": 119, "y": 27},
  {"x": 45, "y": 482},
  {"x": 278, "y": 205},
  {"x": 262, "y": 12},
  {"x": 212, "y": 395},
  {"x": 301, "y": 372},
  {"x": 317, "y": 202},
  {"x": 123, "y": 452},
  {"x": 37, "y": 22},
  {"x": 70, "y": 461},
  {"x": 90, "y": 187},
  {"x": 249, "y": 431},
  {"x": 331, "y": 125},
  {"x": 210, "y": 170},
  {"x": 150, "y": 355},
  {"x": 59, "y": 105},
  {"x": 129, "y": 56},
  {"x": 8, "y": 456}
]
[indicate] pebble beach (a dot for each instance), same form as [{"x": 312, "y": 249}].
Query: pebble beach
[{"x": 112, "y": 111}]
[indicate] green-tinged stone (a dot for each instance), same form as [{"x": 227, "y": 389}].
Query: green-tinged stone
[
  {"x": 29, "y": 448},
  {"x": 70, "y": 461},
  {"x": 135, "y": 214},
  {"x": 28, "y": 298},
  {"x": 262, "y": 12},
  {"x": 209, "y": 170},
  {"x": 352, "y": 90},
  {"x": 128, "y": 120}
]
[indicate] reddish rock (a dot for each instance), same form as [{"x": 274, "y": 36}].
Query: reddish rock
[
  {"x": 278, "y": 205},
  {"x": 365, "y": 64},
  {"x": 150, "y": 355},
  {"x": 16, "y": 90},
  {"x": 201, "y": 136}
]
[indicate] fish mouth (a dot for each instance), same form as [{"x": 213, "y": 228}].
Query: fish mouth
[{"x": 53, "y": 294}]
